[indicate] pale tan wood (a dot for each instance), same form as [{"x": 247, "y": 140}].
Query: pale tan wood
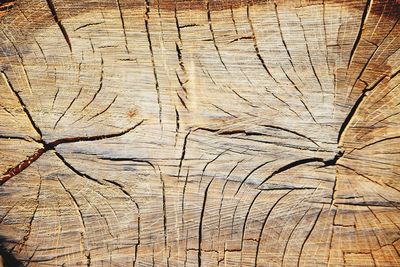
[{"x": 196, "y": 133}]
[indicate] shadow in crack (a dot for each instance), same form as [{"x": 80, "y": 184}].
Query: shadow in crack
[{"x": 7, "y": 259}]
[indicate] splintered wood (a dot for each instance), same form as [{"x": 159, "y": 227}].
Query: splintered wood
[{"x": 199, "y": 133}]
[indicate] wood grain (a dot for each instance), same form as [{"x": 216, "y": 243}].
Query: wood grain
[{"x": 199, "y": 133}]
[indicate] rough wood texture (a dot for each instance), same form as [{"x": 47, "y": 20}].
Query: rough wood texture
[{"x": 199, "y": 133}]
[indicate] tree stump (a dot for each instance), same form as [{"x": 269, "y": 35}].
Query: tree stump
[{"x": 199, "y": 133}]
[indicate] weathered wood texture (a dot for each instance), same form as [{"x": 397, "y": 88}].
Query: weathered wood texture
[{"x": 196, "y": 133}]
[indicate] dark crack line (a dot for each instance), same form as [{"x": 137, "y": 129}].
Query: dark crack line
[
  {"x": 368, "y": 178},
  {"x": 177, "y": 124},
  {"x": 233, "y": 218},
  {"x": 182, "y": 66},
  {"x": 241, "y": 38},
  {"x": 329, "y": 162},
  {"x": 178, "y": 27},
  {"x": 55, "y": 98},
  {"x": 27, "y": 235},
  {"x": 325, "y": 35},
  {"x": 90, "y": 138},
  {"x": 182, "y": 101},
  {"x": 223, "y": 195},
  {"x": 308, "y": 110},
  {"x": 282, "y": 144},
  {"x": 88, "y": 24},
  {"x": 106, "y": 221},
  {"x": 308, "y": 236},
  {"x": 125, "y": 192},
  {"x": 21, "y": 62},
  {"x": 183, "y": 153},
  {"x": 66, "y": 110},
  {"x": 130, "y": 159},
  {"x": 283, "y": 41},
  {"x": 291, "y": 131},
  {"x": 104, "y": 110},
  {"x": 233, "y": 20},
  {"x": 250, "y": 173},
  {"x": 183, "y": 199},
  {"x": 123, "y": 25},
  {"x": 292, "y": 82},
  {"x": 42, "y": 52},
  {"x": 265, "y": 223},
  {"x": 58, "y": 21},
  {"x": 290, "y": 237},
  {"x": 200, "y": 234},
  {"x": 248, "y": 133},
  {"x": 357, "y": 105},
  {"x": 283, "y": 102},
  {"x": 224, "y": 111},
  {"x": 15, "y": 138},
  {"x": 365, "y": 66},
  {"x": 349, "y": 117},
  {"x": 213, "y": 34},
  {"x": 72, "y": 168},
  {"x": 82, "y": 222},
  {"x": 189, "y": 25},
  {"x": 244, "y": 99},
  {"x": 385, "y": 118},
  {"x": 91, "y": 44},
  {"x": 309, "y": 55},
  {"x": 377, "y": 142},
  {"x": 251, "y": 205},
  {"x": 360, "y": 31},
  {"x": 246, "y": 218},
  {"x": 50, "y": 146},
  {"x": 164, "y": 207},
  {"x": 146, "y": 24},
  {"x": 257, "y": 50},
  {"x": 207, "y": 73},
  {"x": 160, "y": 21},
  {"x": 22, "y": 103},
  {"x": 100, "y": 84},
  {"x": 208, "y": 163}
]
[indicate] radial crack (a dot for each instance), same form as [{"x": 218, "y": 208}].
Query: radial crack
[
  {"x": 11, "y": 172},
  {"x": 183, "y": 153},
  {"x": 60, "y": 25},
  {"x": 364, "y": 18},
  {"x": 250, "y": 173},
  {"x": 290, "y": 131},
  {"x": 329, "y": 162},
  {"x": 146, "y": 24},
  {"x": 72, "y": 168},
  {"x": 104, "y": 110},
  {"x": 22, "y": 103},
  {"x": 256, "y": 45},
  {"x": 213, "y": 34},
  {"x": 100, "y": 85},
  {"x": 66, "y": 110},
  {"x": 123, "y": 25},
  {"x": 200, "y": 234},
  {"x": 357, "y": 104},
  {"x": 83, "y": 233},
  {"x": 265, "y": 223}
]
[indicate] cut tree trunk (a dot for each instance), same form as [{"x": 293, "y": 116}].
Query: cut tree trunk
[{"x": 199, "y": 133}]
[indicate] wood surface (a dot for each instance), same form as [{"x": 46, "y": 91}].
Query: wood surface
[{"x": 199, "y": 133}]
